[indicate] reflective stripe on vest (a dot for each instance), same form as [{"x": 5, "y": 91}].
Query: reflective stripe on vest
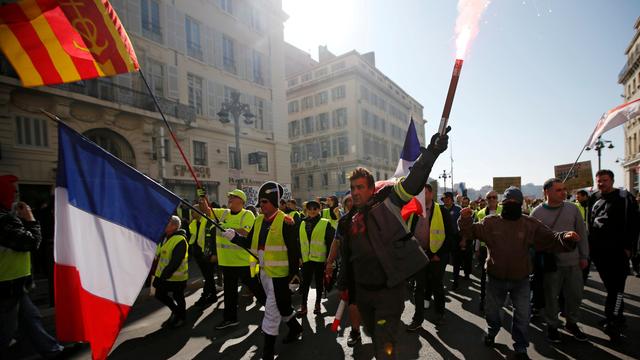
[
  {"x": 199, "y": 231},
  {"x": 436, "y": 230},
  {"x": 14, "y": 264},
  {"x": 230, "y": 254},
  {"x": 316, "y": 250},
  {"x": 276, "y": 260},
  {"x": 326, "y": 214},
  {"x": 164, "y": 256}
]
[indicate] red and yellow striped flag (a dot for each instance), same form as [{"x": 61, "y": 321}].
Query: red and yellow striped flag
[{"x": 57, "y": 41}]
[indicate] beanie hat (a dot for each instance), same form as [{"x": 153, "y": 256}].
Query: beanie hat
[
  {"x": 7, "y": 191},
  {"x": 271, "y": 191},
  {"x": 513, "y": 193}
]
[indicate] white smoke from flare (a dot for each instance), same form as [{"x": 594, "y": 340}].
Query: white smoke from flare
[{"x": 469, "y": 14}]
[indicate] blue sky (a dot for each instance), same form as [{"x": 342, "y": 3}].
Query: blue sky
[{"x": 536, "y": 80}]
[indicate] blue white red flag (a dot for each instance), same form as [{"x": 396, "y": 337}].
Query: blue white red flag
[{"x": 109, "y": 220}]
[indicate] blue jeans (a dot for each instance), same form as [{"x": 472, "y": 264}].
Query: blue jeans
[
  {"x": 17, "y": 312},
  {"x": 518, "y": 291}
]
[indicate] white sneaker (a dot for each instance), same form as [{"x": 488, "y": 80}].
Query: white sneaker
[{"x": 427, "y": 303}]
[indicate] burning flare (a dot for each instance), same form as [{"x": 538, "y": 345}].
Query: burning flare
[{"x": 469, "y": 13}]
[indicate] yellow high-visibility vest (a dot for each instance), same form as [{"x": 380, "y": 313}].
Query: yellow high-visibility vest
[
  {"x": 326, "y": 214},
  {"x": 230, "y": 254},
  {"x": 276, "y": 259},
  {"x": 436, "y": 230},
  {"x": 164, "y": 252},
  {"x": 14, "y": 264},
  {"x": 316, "y": 249}
]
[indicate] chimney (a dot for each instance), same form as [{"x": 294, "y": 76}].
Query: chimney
[
  {"x": 370, "y": 58},
  {"x": 324, "y": 54}
]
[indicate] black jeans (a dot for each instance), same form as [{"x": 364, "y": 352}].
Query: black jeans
[
  {"x": 231, "y": 275},
  {"x": 207, "y": 269},
  {"x": 482, "y": 260},
  {"x": 175, "y": 302},
  {"x": 380, "y": 311},
  {"x": 312, "y": 269},
  {"x": 429, "y": 283},
  {"x": 613, "y": 270},
  {"x": 462, "y": 259}
]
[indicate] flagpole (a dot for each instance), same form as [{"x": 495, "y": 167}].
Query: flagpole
[
  {"x": 574, "y": 164},
  {"x": 173, "y": 136}
]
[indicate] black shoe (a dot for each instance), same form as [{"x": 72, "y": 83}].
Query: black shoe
[
  {"x": 612, "y": 330},
  {"x": 489, "y": 340},
  {"x": 206, "y": 300},
  {"x": 295, "y": 331},
  {"x": 553, "y": 335},
  {"x": 454, "y": 286},
  {"x": 438, "y": 319},
  {"x": 226, "y": 324},
  {"x": 414, "y": 326},
  {"x": 169, "y": 321},
  {"x": 576, "y": 332},
  {"x": 535, "y": 312},
  {"x": 354, "y": 338},
  {"x": 521, "y": 356},
  {"x": 179, "y": 322}
]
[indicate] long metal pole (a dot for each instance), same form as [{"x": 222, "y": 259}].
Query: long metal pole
[
  {"x": 574, "y": 164},
  {"x": 238, "y": 158},
  {"x": 599, "y": 154}
]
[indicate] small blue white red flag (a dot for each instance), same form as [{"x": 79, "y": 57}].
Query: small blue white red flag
[{"x": 109, "y": 220}]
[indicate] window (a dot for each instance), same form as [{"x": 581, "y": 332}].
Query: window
[
  {"x": 364, "y": 93},
  {"x": 294, "y": 128},
  {"x": 257, "y": 68},
  {"x": 32, "y": 132},
  {"x": 307, "y": 103},
  {"x": 307, "y": 125},
  {"x": 156, "y": 77},
  {"x": 293, "y": 106},
  {"x": 322, "y": 121},
  {"x": 295, "y": 153},
  {"x": 342, "y": 177},
  {"x": 155, "y": 149},
  {"x": 322, "y": 98},
  {"x": 365, "y": 118},
  {"x": 200, "y": 153},
  {"x": 150, "y": 13},
  {"x": 343, "y": 145},
  {"x": 296, "y": 182},
  {"x": 258, "y": 121},
  {"x": 232, "y": 158},
  {"x": 325, "y": 149},
  {"x": 325, "y": 179},
  {"x": 340, "y": 118},
  {"x": 292, "y": 82},
  {"x": 226, "y": 5},
  {"x": 338, "y": 92},
  {"x": 256, "y": 20},
  {"x": 311, "y": 151},
  {"x": 228, "y": 57},
  {"x": 310, "y": 180},
  {"x": 263, "y": 162},
  {"x": 306, "y": 77},
  {"x": 195, "y": 92},
  {"x": 194, "y": 49}
]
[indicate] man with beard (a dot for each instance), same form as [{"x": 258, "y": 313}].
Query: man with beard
[{"x": 509, "y": 238}]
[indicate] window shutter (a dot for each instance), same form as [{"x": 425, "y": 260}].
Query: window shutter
[
  {"x": 241, "y": 59},
  {"x": 249, "y": 65},
  {"x": 181, "y": 33},
  {"x": 218, "y": 51},
  {"x": 268, "y": 116},
  {"x": 133, "y": 17},
  {"x": 210, "y": 54},
  {"x": 170, "y": 25},
  {"x": 211, "y": 99},
  {"x": 174, "y": 91}
]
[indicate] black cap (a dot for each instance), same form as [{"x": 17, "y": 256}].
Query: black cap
[{"x": 271, "y": 191}]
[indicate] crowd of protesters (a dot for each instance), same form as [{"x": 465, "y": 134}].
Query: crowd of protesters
[{"x": 379, "y": 249}]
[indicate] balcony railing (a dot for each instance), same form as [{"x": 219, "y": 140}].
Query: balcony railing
[
  {"x": 630, "y": 66},
  {"x": 106, "y": 90}
]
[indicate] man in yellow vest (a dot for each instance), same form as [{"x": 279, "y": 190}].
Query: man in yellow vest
[
  {"x": 332, "y": 211},
  {"x": 203, "y": 250},
  {"x": 492, "y": 208},
  {"x": 316, "y": 236},
  {"x": 19, "y": 234},
  {"x": 433, "y": 230},
  {"x": 292, "y": 210},
  {"x": 172, "y": 272},
  {"x": 233, "y": 259},
  {"x": 274, "y": 239}
]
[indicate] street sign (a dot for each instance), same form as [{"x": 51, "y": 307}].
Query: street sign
[
  {"x": 500, "y": 184},
  {"x": 580, "y": 177}
]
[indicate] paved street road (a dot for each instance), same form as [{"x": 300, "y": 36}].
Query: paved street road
[{"x": 459, "y": 337}]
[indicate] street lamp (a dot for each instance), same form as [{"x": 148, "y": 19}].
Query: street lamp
[
  {"x": 235, "y": 108},
  {"x": 601, "y": 144},
  {"x": 444, "y": 176}
]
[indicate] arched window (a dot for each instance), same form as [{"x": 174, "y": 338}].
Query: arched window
[{"x": 114, "y": 143}]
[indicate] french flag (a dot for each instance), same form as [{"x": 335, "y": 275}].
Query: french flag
[
  {"x": 408, "y": 156},
  {"x": 109, "y": 220}
]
